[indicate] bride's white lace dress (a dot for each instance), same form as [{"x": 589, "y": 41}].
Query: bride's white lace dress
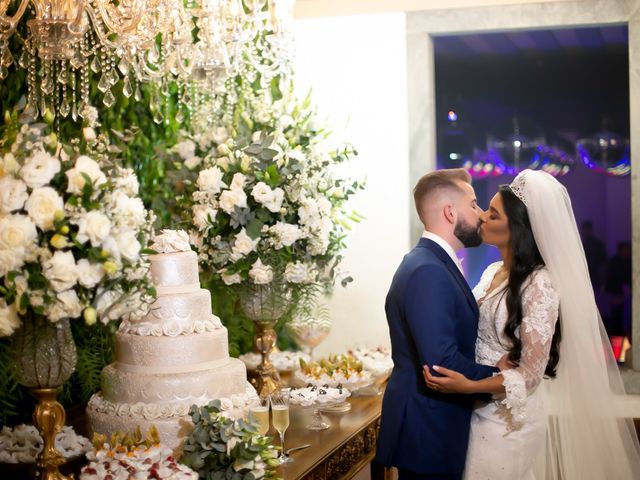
[{"x": 508, "y": 433}]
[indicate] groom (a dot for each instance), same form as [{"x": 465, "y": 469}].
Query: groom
[{"x": 433, "y": 320}]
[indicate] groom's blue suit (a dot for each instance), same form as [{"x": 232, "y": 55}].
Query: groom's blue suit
[{"x": 433, "y": 320}]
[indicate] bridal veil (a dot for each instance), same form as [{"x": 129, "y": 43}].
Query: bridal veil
[{"x": 589, "y": 435}]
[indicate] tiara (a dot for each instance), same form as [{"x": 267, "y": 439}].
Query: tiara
[{"x": 517, "y": 187}]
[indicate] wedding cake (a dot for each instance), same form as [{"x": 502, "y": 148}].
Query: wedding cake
[{"x": 174, "y": 357}]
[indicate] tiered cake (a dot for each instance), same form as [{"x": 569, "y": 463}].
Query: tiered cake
[{"x": 174, "y": 357}]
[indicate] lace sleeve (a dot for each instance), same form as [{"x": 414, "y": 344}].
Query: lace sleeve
[{"x": 540, "y": 304}]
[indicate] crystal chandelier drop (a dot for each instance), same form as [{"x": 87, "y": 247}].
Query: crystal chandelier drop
[
  {"x": 195, "y": 43},
  {"x": 251, "y": 39},
  {"x": 65, "y": 42}
]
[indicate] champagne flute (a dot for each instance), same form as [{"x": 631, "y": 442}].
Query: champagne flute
[
  {"x": 280, "y": 411},
  {"x": 259, "y": 410}
]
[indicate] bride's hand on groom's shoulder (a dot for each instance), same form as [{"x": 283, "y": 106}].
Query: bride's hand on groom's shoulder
[
  {"x": 450, "y": 381},
  {"x": 505, "y": 364}
]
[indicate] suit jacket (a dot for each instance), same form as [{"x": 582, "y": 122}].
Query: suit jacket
[{"x": 433, "y": 320}]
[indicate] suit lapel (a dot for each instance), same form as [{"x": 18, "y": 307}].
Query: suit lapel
[{"x": 453, "y": 268}]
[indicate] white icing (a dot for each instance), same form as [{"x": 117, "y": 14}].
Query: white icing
[
  {"x": 123, "y": 386},
  {"x": 145, "y": 329},
  {"x": 172, "y": 272},
  {"x": 171, "y": 241},
  {"x": 158, "y": 353},
  {"x": 190, "y": 309}
]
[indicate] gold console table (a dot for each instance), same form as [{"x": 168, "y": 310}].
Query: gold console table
[{"x": 339, "y": 452}]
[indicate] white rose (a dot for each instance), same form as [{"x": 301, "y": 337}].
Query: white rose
[
  {"x": 210, "y": 180},
  {"x": 9, "y": 319},
  {"x": 13, "y": 194},
  {"x": 111, "y": 246},
  {"x": 192, "y": 162},
  {"x": 127, "y": 181},
  {"x": 285, "y": 234},
  {"x": 89, "y": 274},
  {"x": 90, "y": 168},
  {"x": 230, "y": 279},
  {"x": 11, "y": 259},
  {"x": 299, "y": 273},
  {"x": 42, "y": 205},
  {"x": 17, "y": 231},
  {"x": 93, "y": 226},
  {"x": 242, "y": 245},
  {"x": 261, "y": 192},
  {"x": 67, "y": 305},
  {"x": 238, "y": 181},
  {"x": 186, "y": 149},
  {"x": 260, "y": 273},
  {"x": 203, "y": 215},
  {"x": 308, "y": 212},
  {"x": 170, "y": 241},
  {"x": 318, "y": 245},
  {"x": 39, "y": 169},
  {"x": 220, "y": 135},
  {"x": 61, "y": 271},
  {"x": 230, "y": 199},
  {"x": 104, "y": 302},
  {"x": 130, "y": 209},
  {"x": 275, "y": 202},
  {"x": 129, "y": 246}
]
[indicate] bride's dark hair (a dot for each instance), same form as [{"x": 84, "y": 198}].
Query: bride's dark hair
[{"x": 525, "y": 260}]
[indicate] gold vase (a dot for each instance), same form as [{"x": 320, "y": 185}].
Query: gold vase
[
  {"x": 45, "y": 358},
  {"x": 264, "y": 305}
]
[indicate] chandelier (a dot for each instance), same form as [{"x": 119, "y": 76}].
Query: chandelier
[{"x": 195, "y": 43}]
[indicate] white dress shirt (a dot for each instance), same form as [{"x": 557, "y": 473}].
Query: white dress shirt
[{"x": 446, "y": 247}]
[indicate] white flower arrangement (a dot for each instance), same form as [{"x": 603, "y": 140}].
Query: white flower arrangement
[
  {"x": 274, "y": 210},
  {"x": 72, "y": 231}
]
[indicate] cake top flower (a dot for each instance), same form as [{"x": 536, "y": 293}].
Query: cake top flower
[{"x": 171, "y": 241}]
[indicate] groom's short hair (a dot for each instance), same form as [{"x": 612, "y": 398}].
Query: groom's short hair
[{"x": 435, "y": 182}]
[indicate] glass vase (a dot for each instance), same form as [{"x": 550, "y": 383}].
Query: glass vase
[
  {"x": 264, "y": 305},
  {"x": 45, "y": 357}
]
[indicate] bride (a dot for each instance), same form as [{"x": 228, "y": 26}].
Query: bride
[{"x": 556, "y": 415}]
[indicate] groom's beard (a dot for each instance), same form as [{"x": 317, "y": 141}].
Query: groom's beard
[{"x": 468, "y": 234}]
